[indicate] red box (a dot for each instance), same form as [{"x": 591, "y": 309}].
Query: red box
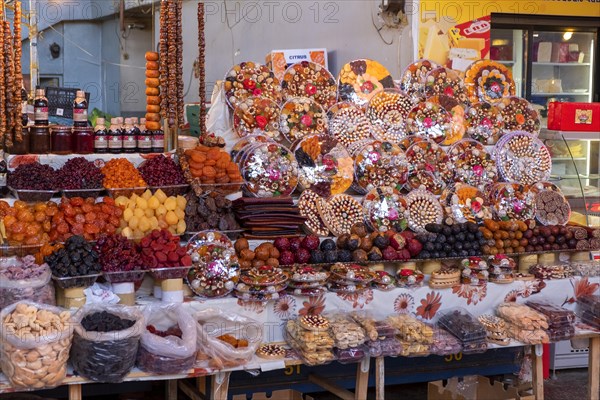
[{"x": 576, "y": 117}]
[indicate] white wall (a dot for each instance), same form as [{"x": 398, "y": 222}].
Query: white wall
[
  {"x": 132, "y": 88},
  {"x": 343, "y": 27}
]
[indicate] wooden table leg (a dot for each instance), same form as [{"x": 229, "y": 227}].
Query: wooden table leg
[
  {"x": 362, "y": 379},
  {"x": 75, "y": 392},
  {"x": 380, "y": 378},
  {"x": 171, "y": 389},
  {"x": 537, "y": 352},
  {"x": 220, "y": 386},
  {"x": 594, "y": 369}
]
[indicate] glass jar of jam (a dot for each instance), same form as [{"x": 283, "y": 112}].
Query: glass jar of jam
[
  {"x": 83, "y": 140},
  {"x": 61, "y": 139},
  {"x": 39, "y": 139},
  {"x": 21, "y": 147}
]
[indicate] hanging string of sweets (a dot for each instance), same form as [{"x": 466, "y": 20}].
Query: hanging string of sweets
[
  {"x": 171, "y": 63},
  {"x": 11, "y": 79}
]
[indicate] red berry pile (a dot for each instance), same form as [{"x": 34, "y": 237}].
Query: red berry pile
[
  {"x": 33, "y": 176},
  {"x": 162, "y": 249},
  {"x": 161, "y": 171},
  {"x": 78, "y": 173},
  {"x": 118, "y": 254}
]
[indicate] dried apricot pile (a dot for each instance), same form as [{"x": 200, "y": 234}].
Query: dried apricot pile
[
  {"x": 85, "y": 217},
  {"x": 28, "y": 224},
  {"x": 212, "y": 165},
  {"x": 120, "y": 173}
]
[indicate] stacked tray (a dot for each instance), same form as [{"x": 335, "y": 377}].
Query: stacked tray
[{"x": 268, "y": 218}]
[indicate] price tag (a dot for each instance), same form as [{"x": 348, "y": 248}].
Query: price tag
[
  {"x": 60, "y": 112},
  {"x": 272, "y": 365}
]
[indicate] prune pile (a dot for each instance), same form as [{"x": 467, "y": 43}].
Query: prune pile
[
  {"x": 33, "y": 176},
  {"x": 211, "y": 212},
  {"x": 161, "y": 171},
  {"x": 160, "y": 249},
  {"x": 117, "y": 254},
  {"x": 172, "y": 331},
  {"x": 76, "y": 258},
  {"x": 78, "y": 173},
  {"x": 104, "y": 361},
  {"x": 105, "y": 322},
  {"x": 457, "y": 240}
]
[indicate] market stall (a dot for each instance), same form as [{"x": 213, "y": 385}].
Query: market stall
[{"x": 342, "y": 217}]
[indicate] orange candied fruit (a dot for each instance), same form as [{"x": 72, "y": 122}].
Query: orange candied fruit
[{"x": 120, "y": 173}]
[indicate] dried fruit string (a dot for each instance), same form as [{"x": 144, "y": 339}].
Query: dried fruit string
[
  {"x": 18, "y": 81},
  {"x": 201, "y": 71},
  {"x": 171, "y": 62},
  {"x": 2, "y": 74}
]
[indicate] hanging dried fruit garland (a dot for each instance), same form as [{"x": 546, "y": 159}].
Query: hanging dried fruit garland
[
  {"x": 201, "y": 71},
  {"x": 171, "y": 62},
  {"x": 11, "y": 78}
]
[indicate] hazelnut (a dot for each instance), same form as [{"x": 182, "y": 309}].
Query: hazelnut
[{"x": 258, "y": 263}]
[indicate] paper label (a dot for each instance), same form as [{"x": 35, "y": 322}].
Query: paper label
[
  {"x": 80, "y": 115},
  {"x": 583, "y": 117},
  {"x": 100, "y": 142},
  {"x": 41, "y": 113}
]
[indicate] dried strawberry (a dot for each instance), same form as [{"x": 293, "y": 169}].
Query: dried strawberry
[
  {"x": 282, "y": 244},
  {"x": 311, "y": 242},
  {"x": 286, "y": 257}
]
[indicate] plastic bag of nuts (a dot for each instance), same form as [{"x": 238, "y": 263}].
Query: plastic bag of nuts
[
  {"x": 164, "y": 352},
  {"x": 36, "y": 340},
  {"x": 106, "y": 352},
  {"x": 23, "y": 279}
]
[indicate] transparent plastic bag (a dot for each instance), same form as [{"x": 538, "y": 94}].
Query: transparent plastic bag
[
  {"x": 216, "y": 323},
  {"x": 22, "y": 282},
  {"x": 219, "y": 119},
  {"x": 171, "y": 354},
  {"x": 32, "y": 361},
  {"x": 106, "y": 356}
]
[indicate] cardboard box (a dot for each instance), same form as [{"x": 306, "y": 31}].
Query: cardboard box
[
  {"x": 473, "y": 388},
  {"x": 577, "y": 117},
  {"x": 279, "y": 60},
  {"x": 288, "y": 394}
]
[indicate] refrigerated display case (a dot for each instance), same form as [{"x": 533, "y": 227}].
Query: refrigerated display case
[{"x": 555, "y": 59}]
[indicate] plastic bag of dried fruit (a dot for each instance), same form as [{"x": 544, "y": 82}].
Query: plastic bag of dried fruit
[
  {"x": 226, "y": 339},
  {"x": 219, "y": 119},
  {"x": 36, "y": 339},
  {"x": 168, "y": 342},
  {"x": 105, "y": 343},
  {"x": 21, "y": 279}
]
